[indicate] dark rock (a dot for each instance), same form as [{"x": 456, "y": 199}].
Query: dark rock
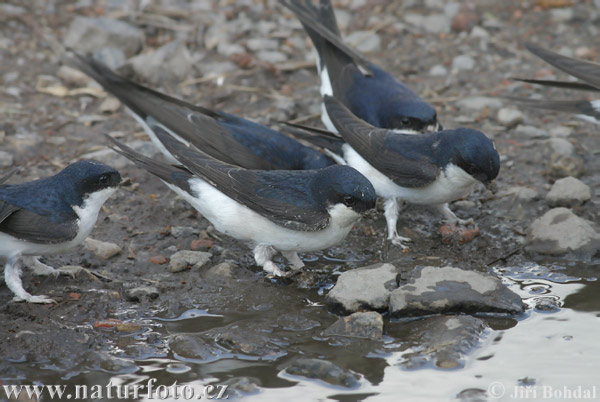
[
  {"x": 358, "y": 325},
  {"x": 560, "y": 231},
  {"x": 87, "y": 35},
  {"x": 363, "y": 288},
  {"x": 249, "y": 338},
  {"x": 324, "y": 371},
  {"x": 434, "y": 290},
  {"x": 193, "y": 346},
  {"x": 142, "y": 293},
  {"x": 296, "y": 322},
  {"x": 442, "y": 340}
]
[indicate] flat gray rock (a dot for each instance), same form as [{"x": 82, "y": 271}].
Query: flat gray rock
[
  {"x": 442, "y": 340},
  {"x": 194, "y": 346},
  {"x": 568, "y": 192},
  {"x": 87, "y": 35},
  {"x": 365, "y": 288},
  {"x": 559, "y": 231},
  {"x": 435, "y": 290},
  {"x": 358, "y": 325},
  {"x": 183, "y": 259},
  {"x": 102, "y": 249},
  {"x": 324, "y": 371},
  {"x": 171, "y": 62}
]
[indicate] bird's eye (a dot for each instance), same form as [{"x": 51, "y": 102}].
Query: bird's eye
[
  {"x": 475, "y": 170},
  {"x": 405, "y": 121},
  {"x": 103, "y": 180},
  {"x": 349, "y": 200}
]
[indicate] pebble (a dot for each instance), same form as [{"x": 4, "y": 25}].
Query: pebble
[
  {"x": 109, "y": 105},
  {"x": 438, "y": 70},
  {"x": 271, "y": 56},
  {"x": 531, "y": 132},
  {"x": 72, "y": 76},
  {"x": 87, "y": 35},
  {"x": 171, "y": 62},
  {"x": 478, "y": 103},
  {"x": 324, "y": 371},
  {"x": 224, "y": 270},
  {"x": 102, "y": 249},
  {"x": 564, "y": 166},
  {"x": 559, "y": 231},
  {"x": 509, "y": 117},
  {"x": 158, "y": 259},
  {"x": 112, "y": 57},
  {"x": 466, "y": 19},
  {"x": 183, "y": 231},
  {"x": 568, "y": 192},
  {"x": 181, "y": 260},
  {"x": 194, "y": 346},
  {"x": 364, "y": 41},
  {"x": 521, "y": 193},
  {"x": 433, "y": 23},
  {"x": 560, "y": 146},
  {"x": 256, "y": 44},
  {"x": 463, "y": 62},
  {"x": 358, "y": 325},
  {"x": 438, "y": 290},
  {"x": 479, "y": 32},
  {"x": 562, "y": 14},
  {"x": 250, "y": 338},
  {"x": 363, "y": 288},
  {"x": 141, "y": 293},
  {"x": 561, "y": 131},
  {"x": 6, "y": 159},
  {"x": 443, "y": 340}
]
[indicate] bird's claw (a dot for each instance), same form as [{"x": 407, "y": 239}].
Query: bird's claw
[
  {"x": 40, "y": 299},
  {"x": 461, "y": 222},
  {"x": 399, "y": 241}
]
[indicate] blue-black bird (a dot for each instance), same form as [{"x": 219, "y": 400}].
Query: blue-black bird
[
  {"x": 50, "y": 216},
  {"x": 368, "y": 91},
  {"x": 224, "y": 136},
  {"x": 586, "y": 71},
  {"x": 427, "y": 169},
  {"x": 271, "y": 210}
]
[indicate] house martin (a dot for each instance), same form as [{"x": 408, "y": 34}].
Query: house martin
[
  {"x": 224, "y": 136},
  {"x": 50, "y": 216},
  {"x": 427, "y": 169},
  {"x": 289, "y": 211},
  {"x": 367, "y": 90},
  {"x": 586, "y": 71}
]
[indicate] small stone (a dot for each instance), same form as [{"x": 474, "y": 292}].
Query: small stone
[
  {"x": 521, "y": 193},
  {"x": 458, "y": 234},
  {"x": 363, "y": 288},
  {"x": 181, "y": 260},
  {"x": 158, "y": 259},
  {"x": 194, "y": 346},
  {"x": 561, "y": 131},
  {"x": 559, "y": 231},
  {"x": 102, "y": 249},
  {"x": 466, "y": 19},
  {"x": 509, "y": 117},
  {"x": 271, "y": 56},
  {"x": 224, "y": 270},
  {"x": 531, "y": 132},
  {"x": 257, "y": 44},
  {"x": 439, "y": 290},
  {"x": 463, "y": 62},
  {"x": 562, "y": 14},
  {"x": 109, "y": 105},
  {"x": 438, "y": 71},
  {"x": 442, "y": 340},
  {"x": 560, "y": 146},
  {"x": 128, "y": 327},
  {"x": 171, "y": 62},
  {"x": 358, "y": 325},
  {"x": 568, "y": 192},
  {"x": 478, "y": 103},
  {"x": 434, "y": 23},
  {"x": 112, "y": 57},
  {"x": 364, "y": 41},
  {"x": 202, "y": 244},
  {"x": 88, "y": 34},
  {"x": 324, "y": 371},
  {"x": 6, "y": 159},
  {"x": 142, "y": 293},
  {"x": 183, "y": 231},
  {"x": 564, "y": 166},
  {"x": 72, "y": 76},
  {"x": 479, "y": 32}
]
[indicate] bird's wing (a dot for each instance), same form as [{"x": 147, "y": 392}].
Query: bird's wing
[
  {"x": 190, "y": 123},
  {"x": 311, "y": 18},
  {"x": 29, "y": 226},
  {"x": 576, "y": 85},
  {"x": 584, "y": 70},
  {"x": 579, "y": 107},
  {"x": 317, "y": 136},
  {"x": 271, "y": 194},
  {"x": 390, "y": 153}
]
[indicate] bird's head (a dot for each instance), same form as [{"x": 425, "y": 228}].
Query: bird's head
[
  {"x": 411, "y": 117},
  {"x": 471, "y": 151},
  {"x": 339, "y": 184},
  {"x": 86, "y": 178}
]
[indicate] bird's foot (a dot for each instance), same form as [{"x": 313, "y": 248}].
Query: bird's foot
[
  {"x": 40, "y": 299},
  {"x": 460, "y": 222},
  {"x": 293, "y": 259},
  {"x": 272, "y": 269},
  {"x": 400, "y": 241},
  {"x": 39, "y": 268}
]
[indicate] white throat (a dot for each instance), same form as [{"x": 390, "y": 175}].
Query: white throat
[{"x": 88, "y": 212}]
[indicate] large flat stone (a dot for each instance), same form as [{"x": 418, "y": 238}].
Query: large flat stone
[{"x": 434, "y": 290}]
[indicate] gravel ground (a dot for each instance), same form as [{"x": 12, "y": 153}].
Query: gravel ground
[{"x": 252, "y": 58}]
